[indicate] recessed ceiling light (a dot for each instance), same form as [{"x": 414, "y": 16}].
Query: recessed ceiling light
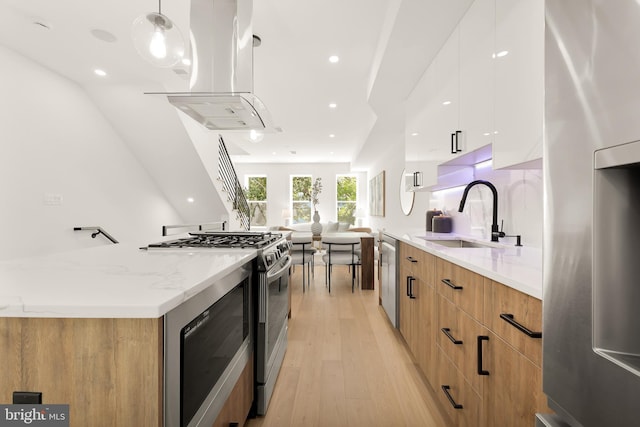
[
  {"x": 415, "y": 134},
  {"x": 190, "y": 199},
  {"x": 103, "y": 35},
  {"x": 446, "y": 103},
  {"x": 100, "y": 72},
  {"x": 500, "y": 54},
  {"x": 186, "y": 61},
  {"x": 486, "y": 133},
  {"x": 334, "y": 59},
  {"x": 333, "y": 105},
  {"x": 331, "y": 135},
  {"x": 331, "y": 152},
  {"x": 273, "y": 153}
]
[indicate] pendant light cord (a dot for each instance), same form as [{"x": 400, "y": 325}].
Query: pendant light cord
[{"x": 159, "y": 7}]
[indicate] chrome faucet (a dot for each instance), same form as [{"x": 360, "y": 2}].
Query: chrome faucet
[{"x": 495, "y": 233}]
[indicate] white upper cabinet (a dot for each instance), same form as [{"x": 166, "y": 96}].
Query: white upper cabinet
[
  {"x": 519, "y": 83},
  {"x": 476, "y": 75}
]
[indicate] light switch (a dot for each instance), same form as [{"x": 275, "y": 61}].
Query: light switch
[{"x": 51, "y": 199}]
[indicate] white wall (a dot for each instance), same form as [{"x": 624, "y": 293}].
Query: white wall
[
  {"x": 520, "y": 202},
  {"x": 54, "y": 141},
  {"x": 278, "y": 185}
]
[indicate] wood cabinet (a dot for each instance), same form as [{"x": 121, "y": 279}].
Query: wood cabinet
[
  {"x": 418, "y": 306},
  {"x": 100, "y": 367},
  {"x": 485, "y": 364}
]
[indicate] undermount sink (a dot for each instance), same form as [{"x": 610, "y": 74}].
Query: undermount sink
[{"x": 461, "y": 243}]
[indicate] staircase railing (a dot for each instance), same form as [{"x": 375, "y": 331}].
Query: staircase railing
[{"x": 231, "y": 185}]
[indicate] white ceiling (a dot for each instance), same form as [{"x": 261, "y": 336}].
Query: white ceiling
[{"x": 383, "y": 45}]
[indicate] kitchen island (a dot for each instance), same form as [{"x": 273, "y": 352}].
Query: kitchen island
[{"x": 85, "y": 328}]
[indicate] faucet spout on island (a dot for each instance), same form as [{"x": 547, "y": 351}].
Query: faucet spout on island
[{"x": 495, "y": 233}]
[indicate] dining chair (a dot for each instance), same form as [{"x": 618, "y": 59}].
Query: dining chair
[
  {"x": 341, "y": 250},
  {"x": 302, "y": 253}
]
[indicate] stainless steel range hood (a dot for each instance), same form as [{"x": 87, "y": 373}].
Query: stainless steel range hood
[{"x": 221, "y": 85}]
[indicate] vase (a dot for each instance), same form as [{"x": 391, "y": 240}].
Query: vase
[{"x": 316, "y": 227}]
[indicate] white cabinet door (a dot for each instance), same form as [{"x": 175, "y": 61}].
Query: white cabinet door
[
  {"x": 519, "y": 81},
  {"x": 477, "y": 29},
  {"x": 446, "y": 102},
  {"x": 419, "y": 123}
]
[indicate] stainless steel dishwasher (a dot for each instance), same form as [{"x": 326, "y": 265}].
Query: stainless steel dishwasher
[{"x": 389, "y": 278}]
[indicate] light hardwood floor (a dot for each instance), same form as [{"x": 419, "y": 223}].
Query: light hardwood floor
[{"x": 345, "y": 364}]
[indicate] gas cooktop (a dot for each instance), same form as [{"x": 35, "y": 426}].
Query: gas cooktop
[{"x": 222, "y": 239}]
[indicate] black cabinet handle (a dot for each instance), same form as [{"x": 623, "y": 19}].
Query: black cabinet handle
[
  {"x": 455, "y": 405},
  {"x": 480, "y": 339},
  {"x": 408, "y": 293},
  {"x": 233, "y": 424},
  {"x": 450, "y": 284},
  {"x": 447, "y": 332},
  {"x": 454, "y": 150},
  {"x": 411, "y": 259},
  {"x": 458, "y": 149},
  {"x": 510, "y": 320},
  {"x": 417, "y": 179},
  {"x": 411, "y": 280}
]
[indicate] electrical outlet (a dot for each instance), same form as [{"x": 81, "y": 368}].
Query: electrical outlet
[
  {"x": 27, "y": 398},
  {"x": 52, "y": 199}
]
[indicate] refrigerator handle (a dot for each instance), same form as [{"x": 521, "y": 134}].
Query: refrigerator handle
[
  {"x": 480, "y": 339},
  {"x": 510, "y": 320}
]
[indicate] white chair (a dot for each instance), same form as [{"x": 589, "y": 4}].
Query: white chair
[
  {"x": 341, "y": 250},
  {"x": 302, "y": 253}
]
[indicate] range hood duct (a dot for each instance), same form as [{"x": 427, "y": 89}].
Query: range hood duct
[{"x": 221, "y": 85}]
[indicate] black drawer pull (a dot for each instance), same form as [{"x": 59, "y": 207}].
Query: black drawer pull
[
  {"x": 411, "y": 259},
  {"x": 480, "y": 339},
  {"x": 408, "y": 292},
  {"x": 450, "y": 284},
  {"x": 509, "y": 319},
  {"x": 455, "y": 405},
  {"x": 411, "y": 280},
  {"x": 447, "y": 332}
]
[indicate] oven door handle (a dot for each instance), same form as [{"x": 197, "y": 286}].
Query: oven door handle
[{"x": 272, "y": 276}]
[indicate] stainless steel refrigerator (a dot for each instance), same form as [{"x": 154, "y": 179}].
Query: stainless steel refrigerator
[{"x": 591, "y": 294}]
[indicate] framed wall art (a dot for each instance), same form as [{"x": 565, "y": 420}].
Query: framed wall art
[{"x": 376, "y": 195}]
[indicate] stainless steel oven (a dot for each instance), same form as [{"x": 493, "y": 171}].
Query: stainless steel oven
[
  {"x": 210, "y": 337},
  {"x": 273, "y": 310},
  {"x": 207, "y": 344}
]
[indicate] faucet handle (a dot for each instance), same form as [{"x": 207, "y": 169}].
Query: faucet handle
[{"x": 501, "y": 232}]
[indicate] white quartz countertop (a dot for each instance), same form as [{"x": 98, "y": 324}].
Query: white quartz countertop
[
  {"x": 116, "y": 281},
  {"x": 517, "y": 267}
]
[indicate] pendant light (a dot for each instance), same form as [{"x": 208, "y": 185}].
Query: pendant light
[{"x": 157, "y": 39}]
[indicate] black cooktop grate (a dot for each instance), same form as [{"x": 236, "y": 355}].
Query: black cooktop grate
[{"x": 221, "y": 240}]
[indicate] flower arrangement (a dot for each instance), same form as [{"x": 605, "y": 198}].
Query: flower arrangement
[{"x": 316, "y": 189}]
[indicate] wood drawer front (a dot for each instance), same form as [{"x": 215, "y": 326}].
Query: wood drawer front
[
  {"x": 526, "y": 311},
  {"x": 461, "y": 393},
  {"x": 236, "y": 408},
  {"x": 469, "y": 297},
  {"x": 513, "y": 388},
  {"x": 418, "y": 262},
  {"x": 463, "y": 328}
]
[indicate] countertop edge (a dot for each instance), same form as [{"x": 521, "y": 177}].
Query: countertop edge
[{"x": 531, "y": 286}]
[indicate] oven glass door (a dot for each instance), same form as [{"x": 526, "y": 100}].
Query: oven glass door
[{"x": 278, "y": 307}]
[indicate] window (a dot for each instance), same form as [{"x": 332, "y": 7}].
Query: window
[
  {"x": 346, "y": 196},
  {"x": 256, "y": 193},
  {"x": 301, "y": 199}
]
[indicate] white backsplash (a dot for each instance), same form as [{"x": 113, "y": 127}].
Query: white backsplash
[{"x": 520, "y": 205}]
